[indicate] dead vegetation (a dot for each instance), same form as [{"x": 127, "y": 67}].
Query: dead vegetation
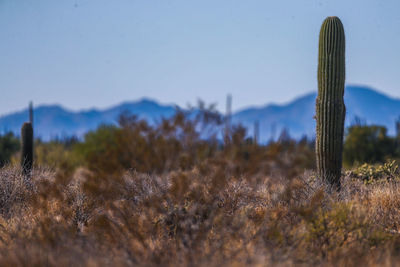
[{"x": 194, "y": 218}]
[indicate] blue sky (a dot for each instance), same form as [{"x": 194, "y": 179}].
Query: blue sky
[{"x": 97, "y": 53}]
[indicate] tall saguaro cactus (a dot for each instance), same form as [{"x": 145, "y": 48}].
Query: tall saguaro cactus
[
  {"x": 27, "y": 148},
  {"x": 330, "y": 106}
]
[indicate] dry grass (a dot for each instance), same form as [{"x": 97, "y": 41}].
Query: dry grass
[{"x": 194, "y": 218}]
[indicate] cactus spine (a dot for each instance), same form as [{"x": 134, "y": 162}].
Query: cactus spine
[
  {"x": 27, "y": 148},
  {"x": 330, "y": 106}
]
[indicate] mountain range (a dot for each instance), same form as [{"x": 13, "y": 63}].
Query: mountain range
[{"x": 368, "y": 105}]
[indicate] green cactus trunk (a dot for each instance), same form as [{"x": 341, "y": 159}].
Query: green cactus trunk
[
  {"x": 330, "y": 106},
  {"x": 27, "y": 148}
]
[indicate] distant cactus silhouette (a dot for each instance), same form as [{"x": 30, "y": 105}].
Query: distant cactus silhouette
[
  {"x": 31, "y": 112},
  {"x": 27, "y": 148},
  {"x": 330, "y": 106},
  {"x": 228, "y": 119}
]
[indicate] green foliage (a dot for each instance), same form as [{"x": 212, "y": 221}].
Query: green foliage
[
  {"x": 102, "y": 150},
  {"x": 330, "y": 108},
  {"x": 370, "y": 173},
  {"x": 9, "y": 145},
  {"x": 56, "y": 154},
  {"x": 367, "y": 144}
]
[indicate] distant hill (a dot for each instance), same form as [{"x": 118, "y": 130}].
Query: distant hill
[
  {"x": 369, "y": 105},
  {"x": 55, "y": 121},
  {"x": 296, "y": 116}
]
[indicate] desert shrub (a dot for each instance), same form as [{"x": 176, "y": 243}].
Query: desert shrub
[
  {"x": 367, "y": 144},
  {"x": 370, "y": 173},
  {"x": 344, "y": 225},
  {"x": 14, "y": 190},
  {"x": 184, "y": 141},
  {"x": 385, "y": 201},
  {"x": 56, "y": 153},
  {"x": 9, "y": 145},
  {"x": 101, "y": 149},
  {"x": 206, "y": 215},
  {"x": 135, "y": 144}
]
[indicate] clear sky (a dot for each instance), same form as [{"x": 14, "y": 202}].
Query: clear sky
[{"x": 97, "y": 53}]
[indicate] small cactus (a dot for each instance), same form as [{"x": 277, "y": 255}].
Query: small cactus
[
  {"x": 330, "y": 106},
  {"x": 27, "y": 148}
]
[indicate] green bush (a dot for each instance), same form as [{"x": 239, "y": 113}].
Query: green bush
[
  {"x": 9, "y": 145},
  {"x": 369, "y": 173},
  {"x": 56, "y": 153},
  {"x": 367, "y": 144},
  {"x": 100, "y": 148}
]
